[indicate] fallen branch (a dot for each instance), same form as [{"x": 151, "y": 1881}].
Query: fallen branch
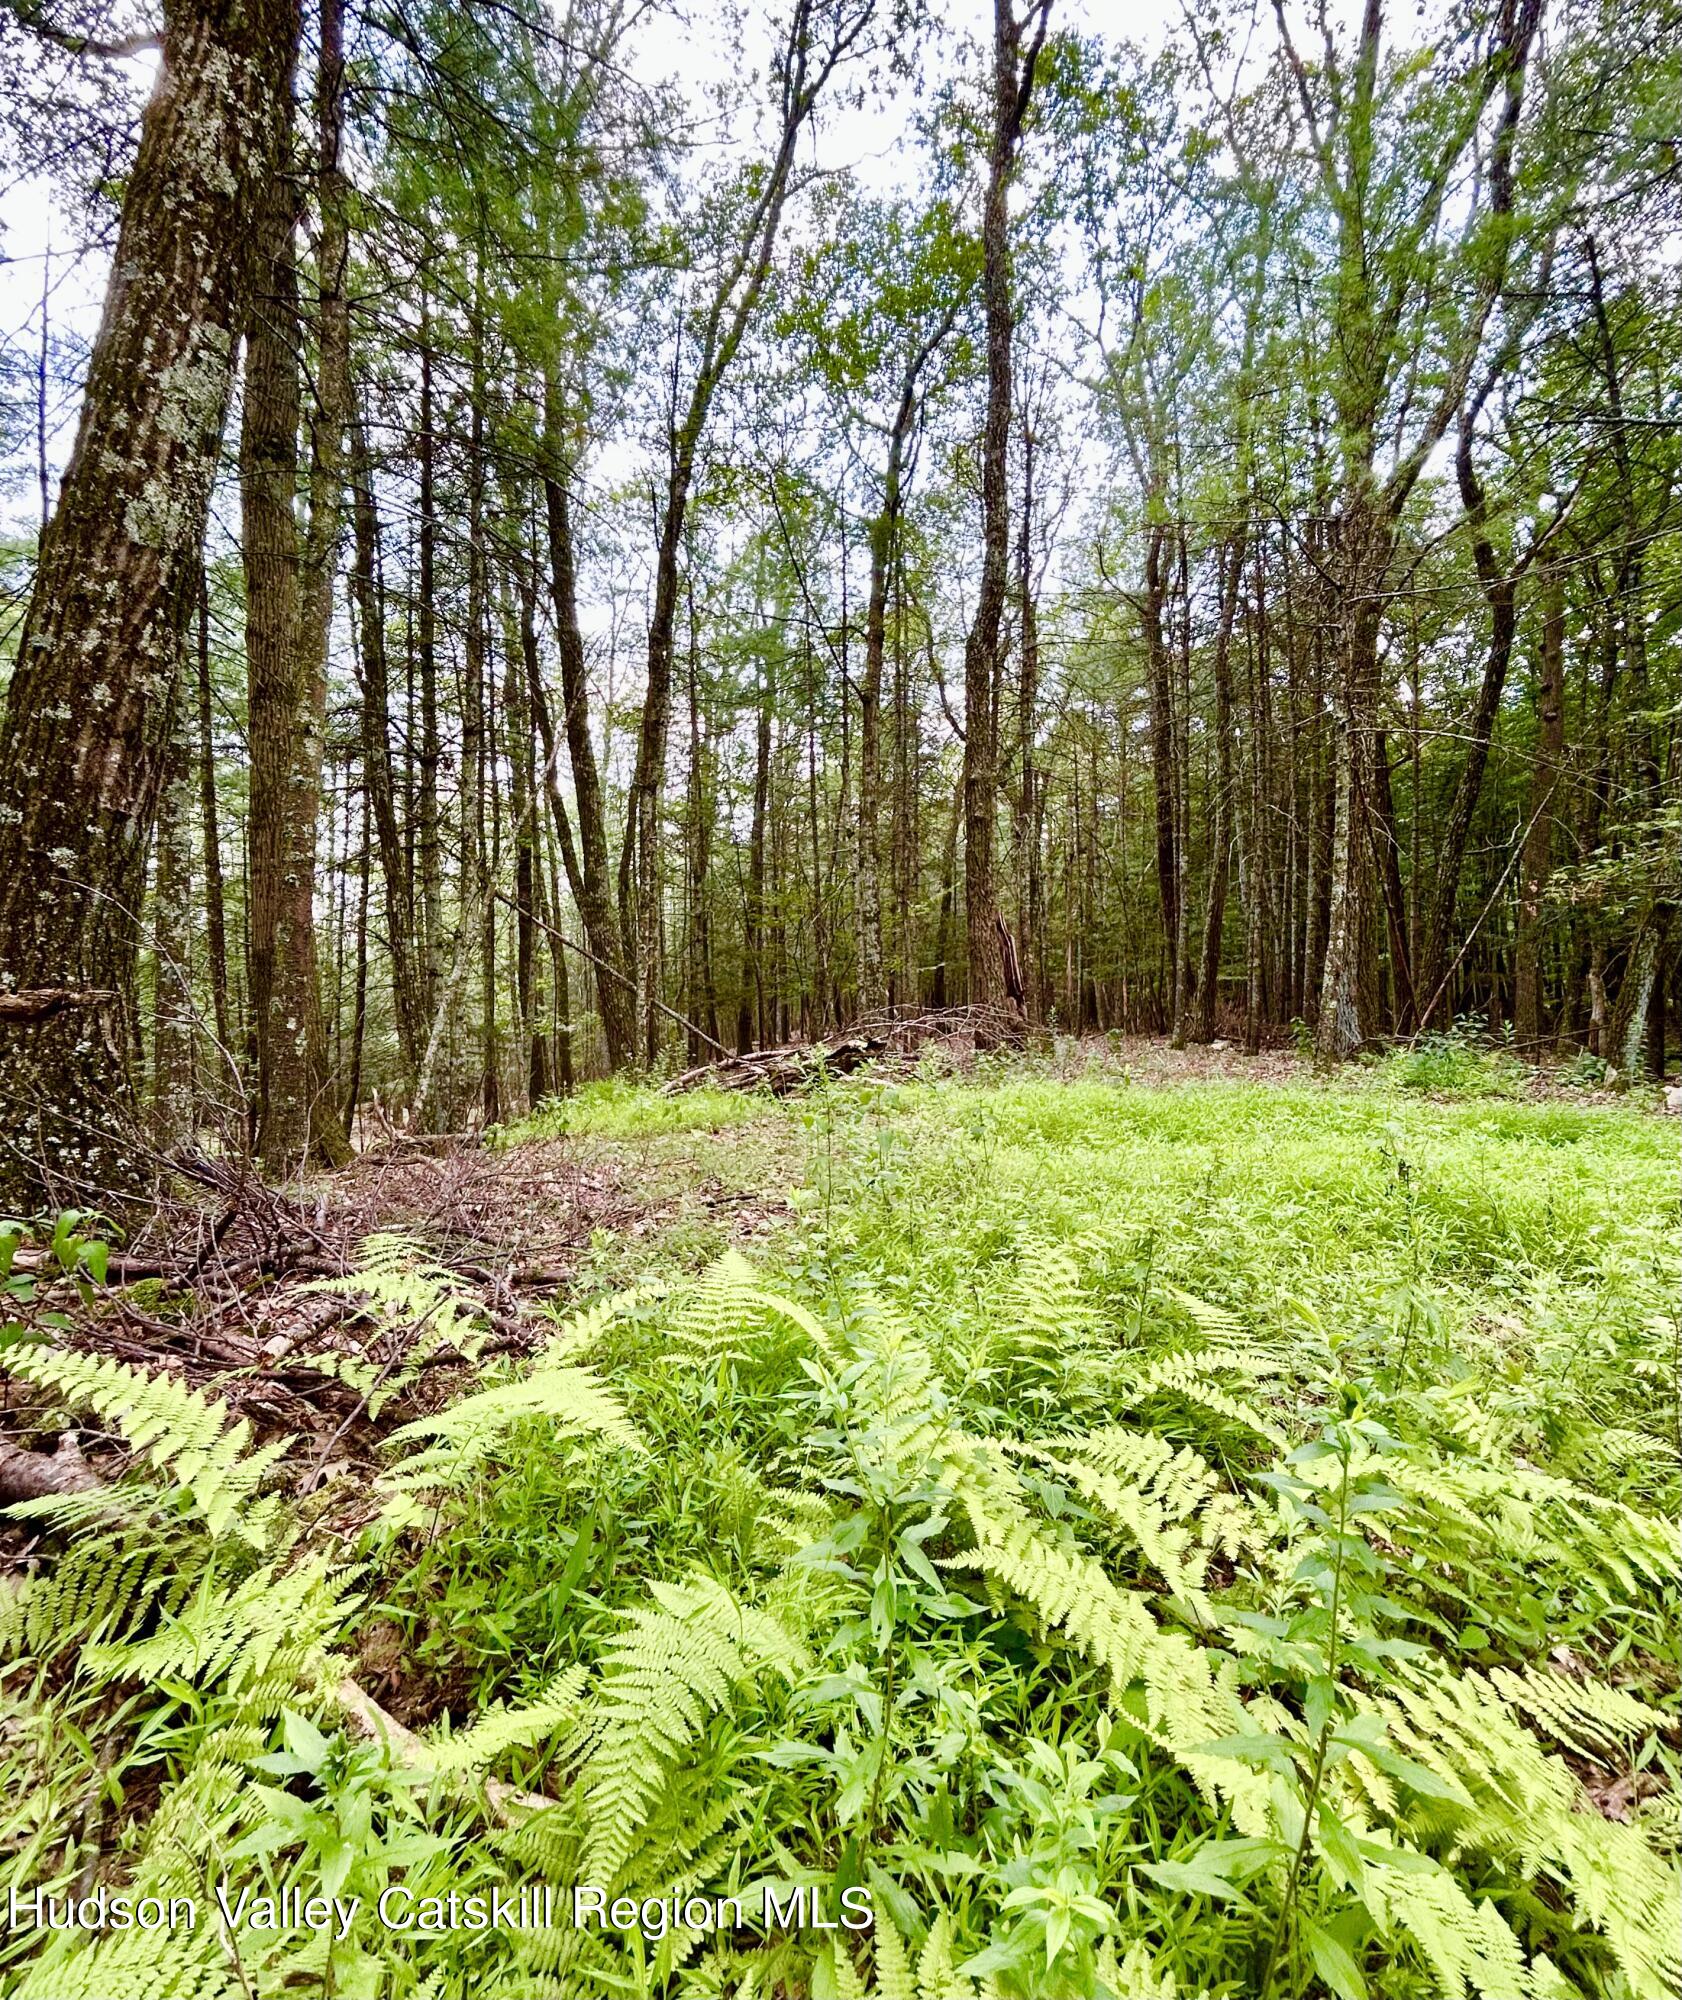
[
  {"x": 881, "y": 1039},
  {"x": 413, "y": 1752},
  {"x": 41, "y": 1003}
]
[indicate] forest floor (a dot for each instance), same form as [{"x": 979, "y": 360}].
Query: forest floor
[{"x": 1161, "y": 1523}]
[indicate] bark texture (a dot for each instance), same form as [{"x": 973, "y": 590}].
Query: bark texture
[
  {"x": 90, "y": 711},
  {"x": 1016, "y": 47}
]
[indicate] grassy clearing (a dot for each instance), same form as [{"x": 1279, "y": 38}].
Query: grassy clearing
[
  {"x": 616, "y": 1109},
  {"x": 1203, "y": 1541}
]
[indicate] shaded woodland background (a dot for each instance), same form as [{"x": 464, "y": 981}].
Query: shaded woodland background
[{"x": 559, "y": 571}]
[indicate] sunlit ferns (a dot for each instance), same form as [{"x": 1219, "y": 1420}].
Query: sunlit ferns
[
  {"x": 675, "y": 1661},
  {"x": 557, "y": 1388},
  {"x": 189, "y": 1437},
  {"x": 419, "y": 1310}
]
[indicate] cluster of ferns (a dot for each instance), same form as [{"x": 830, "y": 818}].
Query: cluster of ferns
[{"x": 1109, "y": 1665}]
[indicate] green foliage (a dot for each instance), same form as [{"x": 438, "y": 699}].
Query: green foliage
[
  {"x": 182, "y": 1432},
  {"x": 615, "y": 1108},
  {"x": 1218, "y": 1543},
  {"x": 1453, "y": 1062},
  {"x": 418, "y": 1311}
]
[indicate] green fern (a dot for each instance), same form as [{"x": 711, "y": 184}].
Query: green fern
[
  {"x": 500, "y": 1728},
  {"x": 237, "y": 1635},
  {"x": 675, "y": 1662},
  {"x": 411, "y": 1300},
  {"x": 712, "y": 1318},
  {"x": 185, "y": 1434}
]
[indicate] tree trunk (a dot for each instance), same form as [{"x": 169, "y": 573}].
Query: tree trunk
[
  {"x": 1626, "y": 1039},
  {"x": 752, "y": 1005},
  {"x": 1159, "y": 674},
  {"x": 1220, "y": 809},
  {"x": 702, "y": 1000},
  {"x": 884, "y": 550},
  {"x": 1013, "y": 82},
  {"x": 528, "y": 876},
  {"x": 269, "y": 542},
  {"x": 377, "y": 773},
  {"x": 1500, "y": 591},
  {"x": 1363, "y": 549},
  {"x": 1030, "y": 809},
  {"x": 1537, "y": 860},
  {"x": 215, "y": 912},
  {"x": 804, "y": 66},
  {"x": 429, "y": 858},
  {"x": 328, "y": 422},
  {"x": 615, "y": 998},
  {"x": 173, "y": 1016},
  {"x": 89, "y": 712}
]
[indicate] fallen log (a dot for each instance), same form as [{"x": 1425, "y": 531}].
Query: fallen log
[
  {"x": 41, "y": 1003},
  {"x": 785, "y": 1069},
  {"x": 40, "y": 1475},
  {"x": 897, "y": 1039}
]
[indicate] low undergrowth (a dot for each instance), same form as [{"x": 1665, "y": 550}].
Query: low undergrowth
[
  {"x": 1214, "y": 1541},
  {"x": 616, "y": 1109}
]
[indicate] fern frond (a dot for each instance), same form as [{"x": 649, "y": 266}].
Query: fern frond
[
  {"x": 237, "y": 1635},
  {"x": 573, "y": 1399},
  {"x": 133, "y": 1965},
  {"x": 1184, "y": 1377},
  {"x": 1586, "y": 1716},
  {"x": 101, "y": 1588},
  {"x": 938, "y": 1977},
  {"x": 675, "y": 1662},
  {"x": 500, "y": 1728},
  {"x": 190, "y": 1437},
  {"x": 890, "y": 1968},
  {"x": 1467, "y": 1944},
  {"x": 713, "y": 1316}
]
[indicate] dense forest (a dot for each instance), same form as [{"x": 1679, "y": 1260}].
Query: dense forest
[
  {"x": 840, "y": 861},
  {"x": 584, "y": 549}
]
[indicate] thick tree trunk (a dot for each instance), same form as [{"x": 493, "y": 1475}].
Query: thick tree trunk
[
  {"x": 90, "y": 709},
  {"x": 1626, "y": 1038},
  {"x": 284, "y": 735}
]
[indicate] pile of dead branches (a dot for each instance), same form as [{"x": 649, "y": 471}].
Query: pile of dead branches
[
  {"x": 890, "y": 1042},
  {"x": 218, "y": 1285}
]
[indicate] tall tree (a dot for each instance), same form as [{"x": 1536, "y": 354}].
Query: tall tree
[
  {"x": 89, "y": 712},
  {"x": 1016, "y": 49},
  {"x": 1369, "y": 134}
]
